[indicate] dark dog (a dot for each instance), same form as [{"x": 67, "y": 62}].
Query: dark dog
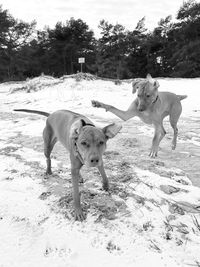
[
  {"x": 85, "y": 142},
  {"x": 151, "y": 107}
]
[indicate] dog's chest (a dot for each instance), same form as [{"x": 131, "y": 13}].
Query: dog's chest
[{"x": 146, "y": 117}]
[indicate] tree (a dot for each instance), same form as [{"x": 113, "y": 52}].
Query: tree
[
  {"x": 67, "y": 43},
  {"x": 14, "y": 34},
  {"x": 137, "y": 59},
  {"x": 111, "y": 50},
  {"x": 185, "y": 59},
  {"x": 159, "y": 48}
]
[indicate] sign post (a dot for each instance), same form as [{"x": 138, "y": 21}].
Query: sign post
[{"x": 81, "y": 60}]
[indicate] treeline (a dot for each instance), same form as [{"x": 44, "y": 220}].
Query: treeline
[{"x": 172, "y": 49}]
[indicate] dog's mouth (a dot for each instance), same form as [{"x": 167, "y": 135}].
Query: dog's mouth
[
  {"x": 141, "y": 106},
  {"x": 141, "y": 109},
  {"x": 91, "y": 165}
]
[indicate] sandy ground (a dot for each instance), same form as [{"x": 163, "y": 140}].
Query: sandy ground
[{"x": 153, "y": 205}]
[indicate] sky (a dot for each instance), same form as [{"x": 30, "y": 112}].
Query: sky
[{"x": 125, "y": 12}]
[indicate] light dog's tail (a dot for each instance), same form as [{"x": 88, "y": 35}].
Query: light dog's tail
[
  {"x": 46, "y": 114},
  {"x": 181, "y": 97}
]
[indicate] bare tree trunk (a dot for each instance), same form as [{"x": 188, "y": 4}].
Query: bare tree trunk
[
  {"x": 72, "y": 65},
  {"x": 119, "y": 67}
]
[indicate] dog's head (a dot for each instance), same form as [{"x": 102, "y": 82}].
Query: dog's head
[
  {"x": 147, "y": 92},
  {"x": 90, "y": 141}
]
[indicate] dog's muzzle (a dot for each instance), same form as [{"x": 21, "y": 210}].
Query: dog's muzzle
[
  {"x": 141, "y": 108},
  {"x": 94, "y": 161}
]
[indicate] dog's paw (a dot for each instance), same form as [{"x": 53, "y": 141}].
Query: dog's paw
[
  {"x": 79, "y": 215},
  {"x": 47, "y": 175},
  {"x": 48, "y": 172},
  {"x": 106, "y": 186},
  {"x": 153, "y": 154},
  {"x": 173, "y": 145},
  {"x": 81, "y": 181},
  {"x": 96, "y": 104}
]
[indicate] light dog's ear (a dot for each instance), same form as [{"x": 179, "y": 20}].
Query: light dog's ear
[
  {"x": 149, "y": 77},
  {"x": 111, "y": 130},
  {"x": 76, "y": 128},
  {"x": 156, "y": 84},
  {"x": 135, "y": 85}
]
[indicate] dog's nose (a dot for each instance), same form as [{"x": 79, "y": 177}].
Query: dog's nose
[
  {"x": 94, "y": 160},
  {"x": 141, "y": 108}
]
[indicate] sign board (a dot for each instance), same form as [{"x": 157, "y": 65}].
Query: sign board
[{"x": 81, "y": 60}]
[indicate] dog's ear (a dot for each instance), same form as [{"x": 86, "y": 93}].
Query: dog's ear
[
  {"x": 156, "y": 84},
  {"x": 76, "y": 128},
  {"x": 111, "y": 130},
  {"x": 83, "y": 122},
  {"x": 135, "y": 84},
  {"x": 149, "y": 77}
]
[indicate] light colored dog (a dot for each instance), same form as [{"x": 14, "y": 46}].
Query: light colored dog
[
  {"x": 151, "y": 107},
  {"x": 85, "y": 142}
]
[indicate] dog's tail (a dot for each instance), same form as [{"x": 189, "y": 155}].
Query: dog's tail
[
  {"x": 181, "y": 97},
  {"x": 46, "y": 114}
]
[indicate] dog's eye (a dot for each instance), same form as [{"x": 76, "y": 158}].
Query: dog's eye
[
  {"x": 83, "y": 143},
  {"x": 147, "y": 95}
]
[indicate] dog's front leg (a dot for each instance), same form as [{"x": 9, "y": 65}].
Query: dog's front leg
[
  {"x": 75, "y": 172},
  {"x": 158, "y": 135},
  {"x": 123, "y": 115},
  {"x": 104, "y": 177}
]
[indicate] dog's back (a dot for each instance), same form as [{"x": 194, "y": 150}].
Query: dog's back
[
  {"x": 168, "y": 100},
  {"x": 60, "y": 122},
  {"x": 171, "y": 96}
]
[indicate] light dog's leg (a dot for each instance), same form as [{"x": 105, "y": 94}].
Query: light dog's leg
[
  {"x": 162, "y": 134},
  {"x": 158, "y": 136},
  {"x": 174, "y": 117},
  {"x": 124, "y": 115}
]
